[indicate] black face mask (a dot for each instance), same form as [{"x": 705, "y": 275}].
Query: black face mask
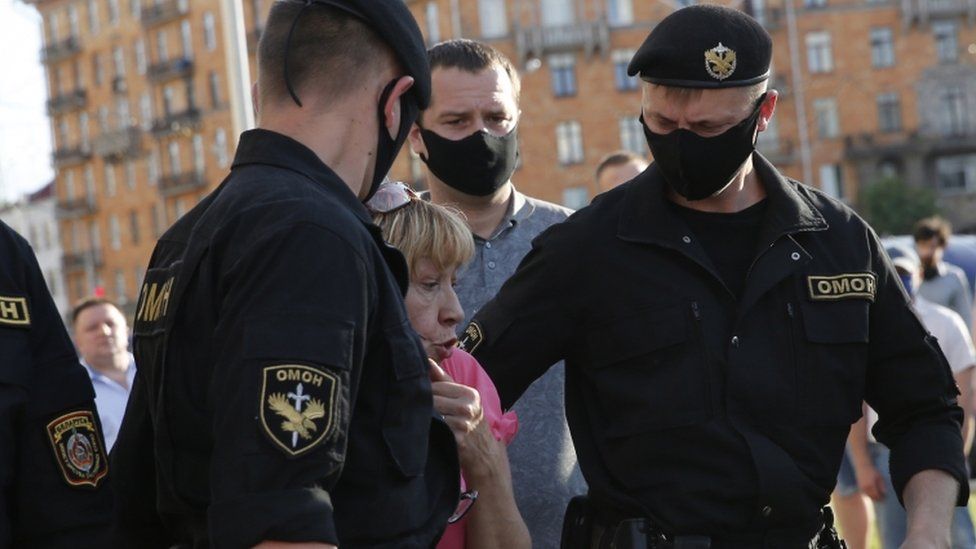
[
  {"x": 387, "y": 148},
  {"x": 698, "y": 167},
  {"x": 476, "y": 165}
]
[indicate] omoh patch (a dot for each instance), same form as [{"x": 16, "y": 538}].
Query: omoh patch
[
  {"x": 78, "y": 448},
  {"x": 14, "y": 311},
  {"x": 843, "y": 286},
  {"x": 298, "y": 404}
]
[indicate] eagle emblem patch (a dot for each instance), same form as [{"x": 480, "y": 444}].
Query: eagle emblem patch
[
  {"x": 78, "y": 448},
  {"x": 471, "y": 338},
  {"x": 297, "y": 406},
  {"x": 720, "y": 62}
]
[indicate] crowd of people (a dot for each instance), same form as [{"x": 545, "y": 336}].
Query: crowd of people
[{"x": 323, "y": 357}]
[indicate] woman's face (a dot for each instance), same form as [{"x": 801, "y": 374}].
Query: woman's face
[{"x": 433, "y": 308}]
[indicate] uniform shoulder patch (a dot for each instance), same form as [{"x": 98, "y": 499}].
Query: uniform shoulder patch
[
  {"x": 78, "y": 448},
  {"x": 298, "y": 406},
  {"x": 14, "y": 312},
  {"x": 472, "y": 337},
  {"x": 843, "y": 286}
]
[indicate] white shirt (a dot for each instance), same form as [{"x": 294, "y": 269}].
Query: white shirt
[
  {"x": 110, "y": 400},
  {"x": 954, "y": 339}
]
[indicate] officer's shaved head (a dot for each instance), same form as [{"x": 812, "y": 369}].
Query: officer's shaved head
[{"x": 331, "y": 53}]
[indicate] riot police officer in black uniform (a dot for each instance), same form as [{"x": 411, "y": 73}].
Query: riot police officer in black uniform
[
  {"x": 53, "y": 486},
  {"x": 282, "y": 396},
  {"x": 721, "y": 325}
]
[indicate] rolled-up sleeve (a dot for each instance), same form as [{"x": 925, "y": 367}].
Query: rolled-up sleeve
[
  {"x": 288, "y": 352},
  {"x": 911, "y": 387}
]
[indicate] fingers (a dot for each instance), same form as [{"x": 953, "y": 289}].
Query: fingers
[
  {"x": 461, "y": 409},
  {"x": 437, "y": 373}
]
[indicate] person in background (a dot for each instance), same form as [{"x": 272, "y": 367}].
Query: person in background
[
  {"x": 618, "y": 168},
  {"x": 851, "y": 507},
  {"x": 436, "y": 242},
  {"x": 101, "y": 335},
  {"x": 942, "y": 283},
  {"x": 871, "y": 458},
  {"x": 468, "y": 138}
]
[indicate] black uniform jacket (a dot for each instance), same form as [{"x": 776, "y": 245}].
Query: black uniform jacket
[
  {"x": 712, "y": 414},
  {"x": 281, "y": 392},
  {"x": 53, "y": 465}
]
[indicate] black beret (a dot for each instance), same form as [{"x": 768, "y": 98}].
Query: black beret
[
  {"x": 704, "y": 46},
  {"x": 393, "y": 22}
]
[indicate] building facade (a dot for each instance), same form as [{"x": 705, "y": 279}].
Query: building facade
[
  {"x": 35, "y": 218},
  {"x": 142, "y": 129}
]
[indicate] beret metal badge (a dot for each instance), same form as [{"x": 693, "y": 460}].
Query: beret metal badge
[{"x": 720, "y": 62}]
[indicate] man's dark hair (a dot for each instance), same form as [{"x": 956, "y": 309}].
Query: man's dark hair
[
  {"x": 329, "y": 54},
  {"x": 88, "y": 303},
  {"x": 617, "y": 158},
  {"x": 471, "y": 56},
  {"x": 933, "y": 227}
]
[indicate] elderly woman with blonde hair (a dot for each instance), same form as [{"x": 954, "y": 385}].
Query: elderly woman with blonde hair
[{"x": 436, "y": 242}]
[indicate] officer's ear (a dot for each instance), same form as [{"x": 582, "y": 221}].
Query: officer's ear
[
  {"x": 416, "y": 139},
  {"x": 391, "y": 107},
  {"x": 767, "y": 109}
]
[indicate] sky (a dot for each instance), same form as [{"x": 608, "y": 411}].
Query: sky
[{"x": 25, "y": 135}]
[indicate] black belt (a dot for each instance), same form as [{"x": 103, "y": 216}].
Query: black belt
[{"x": 641, "y": 533}]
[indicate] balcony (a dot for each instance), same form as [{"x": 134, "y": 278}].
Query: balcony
[
  {"x": 61, "y": 50},
  {"x": 180, "y": 67},
  {"x": 164, "y": 11},
  {"x": 81, "y": 260},
  {"x": 76, "y": 207},
  {"x": 176, "y": 122},
  {"x": 180, "y": 183},
  {"x": 902, "y": 145},
  {"x": 538, "y": 41},
  {"x": 923, "y": 11},
  {"x": 67, "y": 102},
  {"x": 71, "y": 156},
  {"x": 119, "y": 145},
  {"x": 781, "y": 152}
]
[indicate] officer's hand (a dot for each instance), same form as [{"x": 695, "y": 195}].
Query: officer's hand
[{"x": 871, "y": 483}]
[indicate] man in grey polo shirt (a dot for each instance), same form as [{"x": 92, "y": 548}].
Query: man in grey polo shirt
[
  {"x": 468, "y": 139},
  {"x": 942, "y": 283}
]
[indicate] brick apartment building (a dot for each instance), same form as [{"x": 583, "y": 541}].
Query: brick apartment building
[{"x": 142, "y": 128}]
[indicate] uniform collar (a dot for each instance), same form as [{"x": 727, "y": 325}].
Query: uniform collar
[
  {"x": 646, "y": 216},
  {"x": 260, "y": 146}
]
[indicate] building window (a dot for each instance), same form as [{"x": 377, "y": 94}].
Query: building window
[
  {"x": 830, "y": 180},
  {"x": 198, "y": 161},
  {"x": 558, "y": 13},
  {"x": 134, "y": 227},
  {"x": 90, "y": 183},
  {"x": 118, "y": 61},
  {"x": 168, "y": 95},
  {"x": 826, "y": 113},
  {"x": 819, "y": 55},
  {"x": 110, "y": 184},
  {"x": 889, "y": 112},
  {"x": 632, "y": 135},
  {"x": 956, "y": 173},
  {"x": 563, "y": 69},
  {"x": 140, "y": 56},
  {"x": 213, "y": 80},
  {"x": 491, "y": 14},
  {"x": 620, "y": 12},
  {"x": 575, "y": 198},
  {"x": 432, "y": 18},
  {"x": 882, "y": 48},
  {"x": 814, "y": 4},
  {"x": 162, "y": 52},
  {"x": 69, "y": 184},
  {"x": 92, "y": 16},
  {"x": 97, "y": 69},
  {"x": 569, "y": 142},
  {"x": 122, "y": 111},
  {"x": 186, "y": 36},
  {"x": 84, "y": 130},
  {"x": 73, "y": 19},
  {"x": 174, "y": 157},
  {"x": 946, "y": 43},
  {"x": 130, "y": 174},
  {"x": 954, "y": 111},
  {"x": 209, "y": 32},
  {"x": 158, "y": 222},
  {"x": 623, "y": 82},
  {"x": 135, "y": 9},
  {"x": 114, "y": 232},
  {"x": 120, "y": 290},
  {"x": 145, "y": 110},
  {"x": 153, "y": 167},
  {"x": 113, "y": 12},
  {"x": 220, "y": 148},
  {"x": 179, "y": 207}
]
